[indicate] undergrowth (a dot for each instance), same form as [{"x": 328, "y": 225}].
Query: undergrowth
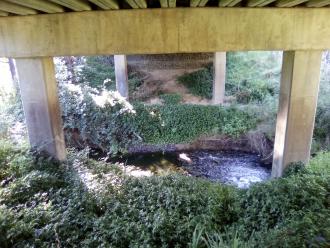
[
  {"x": 44, "y": 203},
  {"x": 199, "y": 83},
  {"x": 120, "y": 124}
]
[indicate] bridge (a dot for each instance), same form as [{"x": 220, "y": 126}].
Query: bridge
[{"x": 34, "y": 31}]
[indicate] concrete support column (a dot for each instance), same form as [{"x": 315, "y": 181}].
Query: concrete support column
[
  {"x": 41, "y": 105},
  {"x": 219, "y": 77},
  {"x": 297, "y": 107},
  {"x": 121, "y": 75}
]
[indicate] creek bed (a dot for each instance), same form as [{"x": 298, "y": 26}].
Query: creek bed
[{"x": 236, "y": 168}]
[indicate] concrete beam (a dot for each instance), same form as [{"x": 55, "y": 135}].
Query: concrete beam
[
  {"x": 219, "y": 80},
  {"x": 259, "y": 3},
  {"x": 289, "y": 3},
  {"x": 76, "y": 5},
  {"x": 165, "y": 30},
  {"x": 41, "y": 5},
  {"x": 297, "y": 107},
  {"x": 318, "y": 3},
  {"x": 121, "y": 75},
  {"x": 16, "y": 9},
  {"x": 41, "y": 106},
  {"x": 3, "y": 13},
  {"x": 106, "y": 4}
]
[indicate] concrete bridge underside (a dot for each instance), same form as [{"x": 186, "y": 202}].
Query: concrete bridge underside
[{"x": 301, "y": 33}]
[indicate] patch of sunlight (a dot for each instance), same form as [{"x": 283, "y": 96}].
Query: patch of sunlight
[
  {"x": 184, "y": 157},
  {"x": 6, "y": 82},
  {"x": 112, "y": 98}
]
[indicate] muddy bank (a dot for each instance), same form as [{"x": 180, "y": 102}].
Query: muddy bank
[{"x": 252, "y": 142}]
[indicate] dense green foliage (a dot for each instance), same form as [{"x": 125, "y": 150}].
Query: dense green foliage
[
  {"x": 44, "y": 203},
  {"x": 253, "y": 76},
  {"x": 11, "y": 112},
  {"x": 250, "y": 77},
  {"x": 183, "y": 123},
  {"x": 103, "y": 120},
  {"x": 199, "y": 83},
  {"x": 170, "y": 99},
  {"x": 120, "y": 124},
  {"x": 98, "y": 72},
  {"x": 322, "y": 129}
]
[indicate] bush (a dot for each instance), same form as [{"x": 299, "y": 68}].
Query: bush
[
  {"x": 307, "y": 229},
  {"x": 102, "y": 119},
  {"x": 253, "y": 76},
  {"x": 162, "y": 212},
  {"x": 171, "y": 99},
  {"x": 96, "y": 71},
  {"x": 322, "y": 128},
  {"x": 171, "y": 124},
  {"x": 250, "y": 77},
  {"x": 199, "y": 83},
  {"x": 11, "y": 112},
  {"x": 44, "y": 203},
  {"x": 107, "y": 121}
]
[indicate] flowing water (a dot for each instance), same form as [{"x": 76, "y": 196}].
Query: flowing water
[{"x": 235, "y": 168}]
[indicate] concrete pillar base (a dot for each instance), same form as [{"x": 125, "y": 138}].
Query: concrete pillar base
[
  {"x": 219, "y": 78},
  {"x": 297, "y": 107},
  {"x": 41, "y": 106},
  {"x": 121, "y": 75}
]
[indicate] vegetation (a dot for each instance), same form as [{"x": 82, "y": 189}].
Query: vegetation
[
  {"x": 11, "y": 112},
  {"x": 171, "y": 99},
  {"x": 121, "y": 124},
  {"x": 199, "y": 83},
  {"x": 44, "y": 203},
  {"x": 251, "y": 77},
  {"x": 88, "y": 203}
]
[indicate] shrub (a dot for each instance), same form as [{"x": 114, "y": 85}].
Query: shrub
[
  {"x": 96, "y": 71},
  {"x": 307, "y": 229},
  {"x": 44, "y": 203},
  {"x": 184, "y": 123},
  {"x": 105, "y": 120},
  {"x": 322, "y": 128},
  {"x": 253, "y": 76},
  {"x": 101, "y": 118},
  {"x": 268, "y": 205},
  {"x": 162, "y": 212},
  {"x": 171, "y": 99},
  {"x": 250, "y": 77},
  {"x": 11, "y": 112},
  {"x": 199, "y": 83}
]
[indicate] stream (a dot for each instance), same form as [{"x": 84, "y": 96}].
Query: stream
[{"x": 235, "y": 168}]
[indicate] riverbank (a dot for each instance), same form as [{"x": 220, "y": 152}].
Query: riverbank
[{"x": 253, "y": 142}]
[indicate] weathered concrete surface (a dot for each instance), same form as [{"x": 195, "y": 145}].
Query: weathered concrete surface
[
  {"x": 121, "y": 75},
  {"x": 169, "y": 62},
  {"x": 41, "y": 106},
  {"x": 219, "y": 80},
  {"x": 297, "y": 107},
  {"x": 173, "y": 30}
]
